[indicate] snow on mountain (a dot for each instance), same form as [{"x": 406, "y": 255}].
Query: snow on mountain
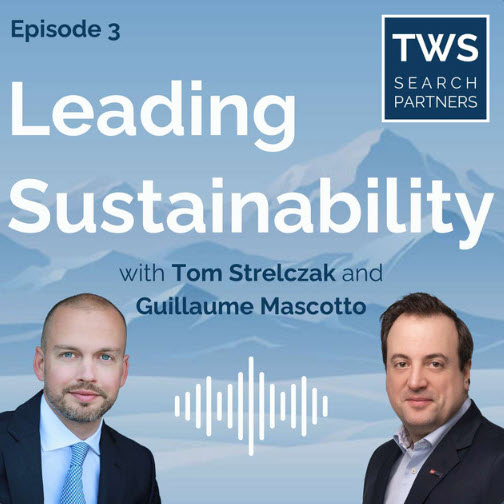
[{"x": 340, "y": 165}]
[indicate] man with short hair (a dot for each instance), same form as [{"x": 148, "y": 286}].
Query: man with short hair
[
  {"x": 55, "y": 448},
  {"x": 445, "y": 451}
]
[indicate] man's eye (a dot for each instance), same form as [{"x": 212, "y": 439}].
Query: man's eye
[
  {"x": 67, "y": 355},
  {"x": 436, "y": 364},
  {"x": 401, "y": 365},
  {"x": 106, "y": 357}
]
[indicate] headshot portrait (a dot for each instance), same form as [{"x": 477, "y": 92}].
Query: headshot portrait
[
  {"x": 445, "y": 450},
  {"x": 55, "y": 448}
]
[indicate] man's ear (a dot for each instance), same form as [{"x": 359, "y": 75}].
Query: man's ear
[
  {"x": 39, "y": 363},
  {"x": 467, "y": 375},
  {"x": 125, "y": 369}
]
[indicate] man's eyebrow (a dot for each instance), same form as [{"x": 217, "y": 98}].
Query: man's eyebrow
[
  {"x": 399, "y": 356},
  {"x": 109, "y": 350},
  {"x": 437, "y": 356},
  {"x": 100, "y": 350},
  {"x": 65, "y": 347}
]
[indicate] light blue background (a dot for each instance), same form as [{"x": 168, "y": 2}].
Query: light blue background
[{"x": 327, "y": 54}]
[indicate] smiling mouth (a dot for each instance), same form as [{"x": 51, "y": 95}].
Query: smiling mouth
[
  {"x": 418, "y": 401},
  {"x": 84, "y": 396}
]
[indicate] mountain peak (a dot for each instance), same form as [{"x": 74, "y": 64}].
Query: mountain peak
[{"x": 340, "y": 165}]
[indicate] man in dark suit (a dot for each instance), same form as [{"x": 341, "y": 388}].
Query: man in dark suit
[
  {"x": 55, "y": 448},
  {"x": 445, "y": 451}
]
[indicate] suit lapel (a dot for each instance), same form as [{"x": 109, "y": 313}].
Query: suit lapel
[
  {"x": 445, "y": 456},
  {"x": 442, "y": 461},
  {"x": 112, "y": 488},
  {"x": 384, "y": 474},
  {"x": 23, "y": 455},
  {"x": 377, "y": 492}
]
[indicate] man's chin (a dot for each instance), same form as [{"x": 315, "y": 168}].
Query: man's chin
[
  {"x": 420, "y": 423},
  {"x": 81, "y": 413},
  {"x": 77, "y": 408}
]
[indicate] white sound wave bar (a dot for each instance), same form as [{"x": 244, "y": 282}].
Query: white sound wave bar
[{"x": 251, "y": 406}]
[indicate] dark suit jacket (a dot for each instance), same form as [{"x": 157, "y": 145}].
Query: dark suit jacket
[
  {"x": 469, "y": 462},
  {"x": 127, "y": 472}
]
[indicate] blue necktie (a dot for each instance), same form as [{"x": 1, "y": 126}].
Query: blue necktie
[{"x": 73, "y": 492}]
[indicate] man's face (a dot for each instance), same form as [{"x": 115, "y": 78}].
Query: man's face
[
  {"x": 84, "y": 364},
  {"x": 425, "y": 385}
]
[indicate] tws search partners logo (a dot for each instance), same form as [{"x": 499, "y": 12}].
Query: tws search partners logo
[{"x": 435, "y": 68}]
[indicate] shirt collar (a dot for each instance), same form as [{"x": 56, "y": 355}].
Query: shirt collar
[
  {"x": 403, "y": 440},
  {"x": 54, "y": 434}
]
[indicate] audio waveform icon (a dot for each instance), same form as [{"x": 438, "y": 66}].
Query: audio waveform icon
[{"x": 251, "y": 411}]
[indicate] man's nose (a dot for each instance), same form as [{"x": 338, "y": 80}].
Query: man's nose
[
  {"x": 417, "y": 379},
  {"x": 86, "y": 370}
]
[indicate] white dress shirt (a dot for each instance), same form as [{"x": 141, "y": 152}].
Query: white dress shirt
[
  {"x": 408, "y": 465},
  {"x": 55, "y": 442}
]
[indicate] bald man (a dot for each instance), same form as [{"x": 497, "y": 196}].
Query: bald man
[{"x": 55, "y": 448}]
